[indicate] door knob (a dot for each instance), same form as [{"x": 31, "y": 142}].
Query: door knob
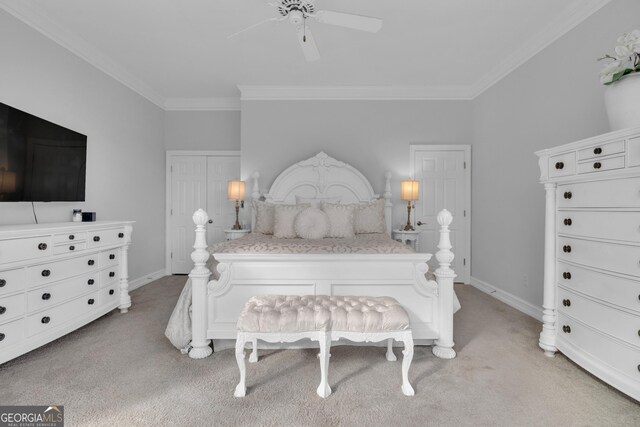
[
  {"x": 420, "y": 223},
  {"x": 210, "y": 221}
]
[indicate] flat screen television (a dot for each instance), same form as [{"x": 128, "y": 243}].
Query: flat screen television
[{"x": 39, "y": 160}]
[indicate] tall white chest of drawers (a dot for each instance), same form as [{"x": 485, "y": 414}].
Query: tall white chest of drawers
[
  {"x": 592, "y": 256},
  {"x": 54, "y": 278}
]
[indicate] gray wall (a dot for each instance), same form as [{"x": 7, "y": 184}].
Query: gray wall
[
  {"x": 202, "y": 130},
  {"x": 554, "y": 98},
  {"x": 372, "y": 136},
  {"x": 125, "y": 153}
]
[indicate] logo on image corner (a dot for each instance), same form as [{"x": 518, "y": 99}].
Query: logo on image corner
[{"x": 32, "y": 416}]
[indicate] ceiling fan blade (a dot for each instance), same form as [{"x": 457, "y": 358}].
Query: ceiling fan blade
[
  {"x": 308, "y": 44},
  {"x": 252, "y": 27},
  {"x": 348, "y": 20}
]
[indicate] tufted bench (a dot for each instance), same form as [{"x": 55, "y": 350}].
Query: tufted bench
[{"x": 322, "y": 318}]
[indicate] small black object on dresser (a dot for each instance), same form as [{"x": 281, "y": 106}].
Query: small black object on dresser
[{"x": 88, "y": 216}]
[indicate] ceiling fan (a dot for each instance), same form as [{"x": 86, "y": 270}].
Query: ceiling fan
[{"x": 298, "y": 11}]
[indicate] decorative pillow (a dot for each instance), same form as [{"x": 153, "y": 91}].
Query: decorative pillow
[
  {"x": 316, "y": 201},
  {"x": 311, "y": 223},
  {"x": 341, "y": 220},
  {"x": 265, "y": 217},
  {"x": 284, "y": 218},
  {"x": 370, "y": 217}
]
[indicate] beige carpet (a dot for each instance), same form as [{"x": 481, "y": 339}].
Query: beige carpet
[{"x": 120, "y": 370}]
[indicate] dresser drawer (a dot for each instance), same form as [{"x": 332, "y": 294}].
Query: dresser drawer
[
  {"x": 11, "y": 307},
  {"x": 51, "y": 272},
  {"x": 600, "y": 165},
  {"x": 601, "y": 150},
  {"x": 63, "y": 291},
  {"x": 57, "y": 316},
  {"x": 617, "y": 323},
  {"x": 624, "y": 226},
  {"x": 109, "y": 276},
  {"x": 13, "y": 250},
  {"x": 106, "y": 237},
  {"x": 110, "y": 295},
  {"x": 69, "y": 248},
  {"x": 618, "y": 258},
  {"x": 12, "y": 280},
  {"x": 633, "y": 152},
  {"x": 612, "y": 289},
  {"x": 11, "y": 333},
  {"x": 610, "y": 193},
  {"x": 110, "y": 258},
  {"x": 611, "y": 352},
  {"x": 562, "y": 165},
  {"x": 69, "y": 237}
]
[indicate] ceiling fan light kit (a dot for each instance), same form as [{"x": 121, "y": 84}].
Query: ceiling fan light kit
[{"x": 298, "y": 11}]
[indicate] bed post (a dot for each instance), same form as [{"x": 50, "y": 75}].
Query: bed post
[
  {"x": 255, "y": 195},
  {"x": 443, "y": 347},
  {"x": 199, "y": 279},
  {"x": 388, "y": 206}
]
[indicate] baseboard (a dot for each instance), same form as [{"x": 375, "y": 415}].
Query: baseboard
[
  {"x": 507, "y": 298},
  {"x": 147, "y": 278}
]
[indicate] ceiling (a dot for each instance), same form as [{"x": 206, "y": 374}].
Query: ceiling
[{"x": 176, "y": 52}]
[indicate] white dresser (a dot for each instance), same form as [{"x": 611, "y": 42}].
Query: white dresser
[
  {"x": 55, "y": 278},
  {"x": 592, "y": 256}
]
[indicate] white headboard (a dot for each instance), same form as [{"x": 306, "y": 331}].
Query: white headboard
[{"x": 322, "y": 176}]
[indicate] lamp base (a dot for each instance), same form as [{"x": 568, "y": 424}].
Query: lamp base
[{"x": 408, "y": 227}]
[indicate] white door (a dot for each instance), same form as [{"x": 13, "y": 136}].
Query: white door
[
  {"x": 444, "y": 176},
  {"x": 188, "y": 194},
  {"x": 222, "y": 212}
]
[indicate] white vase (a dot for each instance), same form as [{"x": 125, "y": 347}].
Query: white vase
[{"x": 622, "y": 101}]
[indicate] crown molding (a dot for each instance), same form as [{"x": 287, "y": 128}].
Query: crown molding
[
  {"x": 36, "y": 20},
  {"x": 202, "y": 104},
  {"x": 354, "y": 93},
  {"x": 556, "y": 28}
]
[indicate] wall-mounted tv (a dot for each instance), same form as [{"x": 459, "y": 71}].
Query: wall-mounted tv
[{"x": 39, "y": 160}]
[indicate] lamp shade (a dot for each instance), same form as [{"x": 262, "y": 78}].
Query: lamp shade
[
  {"x": 410, "y": 190},
  {"x": 235, "y": 190},
  {"x": 7, "y": 181}
]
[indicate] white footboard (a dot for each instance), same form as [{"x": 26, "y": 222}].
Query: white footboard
[{"x": 216, "y": 304}]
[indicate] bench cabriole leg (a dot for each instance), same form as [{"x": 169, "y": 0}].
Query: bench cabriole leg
[
  {"x": 253, "y": 358},
  {"x": 325, "y": 347},
  {"x": 406, "y": 363},
  {"x": 241, "y": 388},
  {"x": 390, "y": 356}
]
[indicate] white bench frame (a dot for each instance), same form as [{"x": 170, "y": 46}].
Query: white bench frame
[{"x": 324, "y": 339}]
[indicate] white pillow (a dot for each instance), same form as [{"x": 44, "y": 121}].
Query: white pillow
[
  {"x": 284, "y": 218},
  {"x": 265, "y": 217},
  {"x": 315, "y": 201},
  {"x": 311, "y": 223},
  {"x": 341, "y": 220},
  {"x": 370, "y": 217}
]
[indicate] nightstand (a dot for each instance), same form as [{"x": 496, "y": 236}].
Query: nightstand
[
  {"x": 407, "y": 237},
  {"x": 235, "y": 234}
]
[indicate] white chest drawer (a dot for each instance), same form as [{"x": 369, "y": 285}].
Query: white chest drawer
[
  {"x": 109, "y": 258},
  {"x": 609, "y": 193},
  {"x": 109, "y": 295},
  {"x": 51, "y": 272},
  {"x": 562, "y": 165},
  {"x": 11, "y": 307},
  {"x": 12, "y": 280},
  {"x": 63, "y": 291},
  {"x": 601, "y": 150},
  {"x": 69, "y": 248},
  {"x": 110, "y": 275},
  {"x": 70, "y": 237},
  {"x": 623, "y": 226},
  {"x": 106, "y": 237},
  {"x": 612, "y": 257},
  {"x": 601, "y": 165},
  {"x": 28, "y": 248},
  {"x": 11, "y": 333},
  {"x": 59, "y": 315},
  {"x": 617, "y": 323}
]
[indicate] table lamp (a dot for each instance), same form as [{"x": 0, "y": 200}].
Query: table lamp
[
  {"x": 410, "y": 192},
  {"x": 235, "y": 191}
]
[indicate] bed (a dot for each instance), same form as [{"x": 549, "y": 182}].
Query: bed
[{"x": 226, "y": 275}]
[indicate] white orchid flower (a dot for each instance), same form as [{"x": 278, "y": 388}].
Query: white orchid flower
[{"x": 624, "y": 51}]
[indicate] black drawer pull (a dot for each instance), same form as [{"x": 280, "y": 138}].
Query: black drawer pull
[
  {"x": 112, "y": 274},
  {"x": 3, "y": 310},
  {"x": 566, "y": 249},
  {"x": 71, "y": 237},
  {"x": 96, "y": 238},
  {"x": 72, "y": 248},
  {"x": 568, "y": 195},
  {"x": 91, "y": 262},
  {"x": 597, "y": 165},
  {"x": 91, "y": 301},
  {"x": 597, "y": 150},
  {"x": 121, "y": 235},
  {"x": 90, "y": 282},
  {"x": 559, "y": 165},
  {"x": 111, "y": 292},
  {"x": 46, "y": 296},
  {"x": 46, "y": 319},
  {"x": 566, "y": 302},
  {"x": 46, "y": 273},
  {"x": 3, "y": 283},
  {"x": 566, "y": 275},
  {"x": 568, "y": 222},
  {"x": 566, "y": 329},
  {"x": 112, "y": 256},
  {"x": 638, "y": 368},
  {"x": 1, "y": 336},
  {"x": 42, "y": 246}
]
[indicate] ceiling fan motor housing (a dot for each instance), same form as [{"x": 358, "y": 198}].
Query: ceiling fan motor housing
[{"x": 296, "y": 10}]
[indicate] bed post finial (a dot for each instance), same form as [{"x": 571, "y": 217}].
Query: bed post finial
[
  {"x": 443, "y": 347},
  {"x": 199, "y": 278},
  {"x": 255, "y": 192},
  {"x": 388, "y": 206}
]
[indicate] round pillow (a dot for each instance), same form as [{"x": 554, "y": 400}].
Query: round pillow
[{"x": 311, "y": 223}]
